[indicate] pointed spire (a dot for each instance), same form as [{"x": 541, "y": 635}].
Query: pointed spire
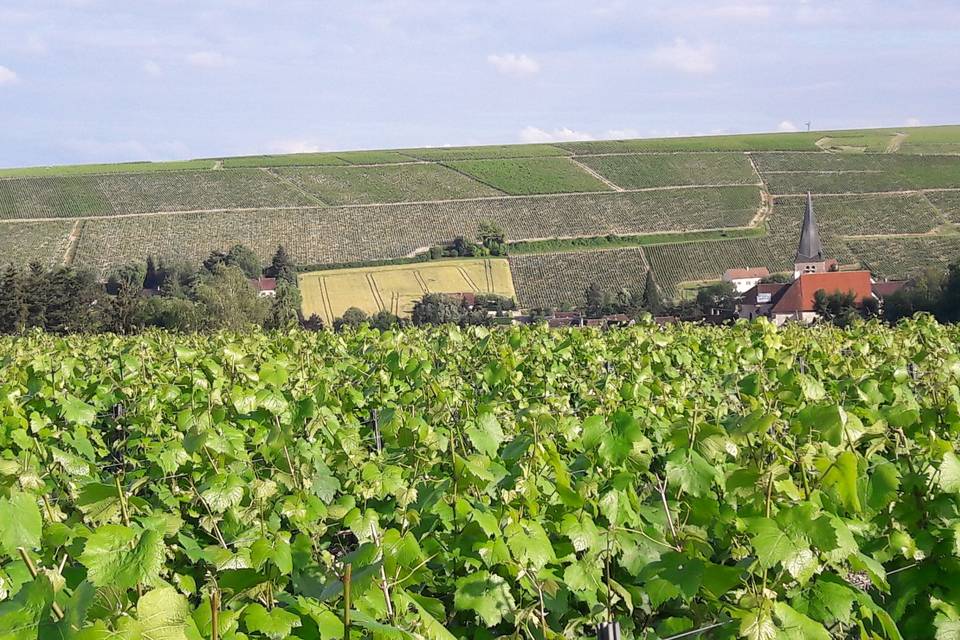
[{"x": 810, "y": 249}]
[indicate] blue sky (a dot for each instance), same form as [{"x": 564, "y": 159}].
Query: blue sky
[{"x": 111, "y": 80}]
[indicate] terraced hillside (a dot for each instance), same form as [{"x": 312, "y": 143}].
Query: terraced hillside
[{"x": 886, "y": 198}]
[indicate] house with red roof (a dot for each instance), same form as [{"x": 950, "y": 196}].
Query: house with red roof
[{"x": 812, "y": 272}]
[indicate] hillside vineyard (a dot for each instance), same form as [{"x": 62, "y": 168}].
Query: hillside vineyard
[
  {"x": 887, "y": 200},
  {"x": 803, "y": 482}
]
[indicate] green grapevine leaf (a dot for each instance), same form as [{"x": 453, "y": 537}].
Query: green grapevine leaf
[
  {"x": 485, "y": 594},
  {"x": 950, "y": 473},
  {"x": 21, "y": 524},
  {"x": 21, "y": 616},
  {"x": 276, "y": 623},
  {"x": 796, "y": 626},
  {"x": 121, "y": 557},
  {"x": 486, "y": 435}
]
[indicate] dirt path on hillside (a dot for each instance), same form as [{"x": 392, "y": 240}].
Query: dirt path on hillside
[
  {"x": 73, "y": 241},
  {"x": 596, "y": 175},
  {"x": 896, "y": 142}
]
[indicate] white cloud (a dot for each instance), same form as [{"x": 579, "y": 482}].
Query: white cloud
[
  {"x": 913, "y": 122},
  {"x": 512, "y": 64},
  {"x": 786, "y": 126},
  {"x": 209, "y": 60},
  {"x": 621, "y": 134},
  {"x": 686, "y": 57},
  {"x": 295, "y": 146},
  {"x": 563, "y": 134},
  {"x": 151, "y": 68},
  {"x": 8, "y": 76}
]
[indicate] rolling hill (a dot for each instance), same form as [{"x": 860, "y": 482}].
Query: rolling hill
[{"x": 685, "y": 208}]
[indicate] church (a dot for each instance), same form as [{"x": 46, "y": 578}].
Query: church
[{"x": 812, "y": 272}]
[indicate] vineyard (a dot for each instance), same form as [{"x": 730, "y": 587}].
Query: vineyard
[
  {"x": 856, "y": 173},
  {"x": 902, "y": 257},
  {"x": 112, "y": 194},
  {"x": 43, "y": 242},
  {"x": 673, "y": 264},
  {"x": 742, "y": 482},
  {"x": 560, "y": 280},
  {"x": 445, "y": 154},
  {"x": 855, "y": 215},
  {"x": 672, "y": 169},
  {"x": 344, "y": 234},
  {"x": 947, "y": 203},
  {"x": 359, "y": 206},
  {"x": 388, "y": 183},
  {"x": 528, "y": 176}
]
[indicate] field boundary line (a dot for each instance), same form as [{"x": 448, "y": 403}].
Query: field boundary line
[
  {"x": 488, "y": 272},
  {"x": 467, "y": 175},
  {"x": 419, "y": 278},
  {"x": 293, "y": 185},
  {"x": 596, "y": 175},
  {"x": 865, "y": 193}
]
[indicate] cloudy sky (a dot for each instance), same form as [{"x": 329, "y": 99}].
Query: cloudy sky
[{"x": 113, "y": 80}]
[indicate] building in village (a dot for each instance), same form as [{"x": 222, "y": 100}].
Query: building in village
[
  {"x": 745, "y": 279},
  {"x": 812, "y": 272}
]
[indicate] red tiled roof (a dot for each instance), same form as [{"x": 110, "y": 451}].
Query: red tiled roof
[
  {"x": 752, "y": 272},
  {"x": 799, "y": 296},
  {"x": 884, "y": 289},
  {"x": 263, "y": 283}
]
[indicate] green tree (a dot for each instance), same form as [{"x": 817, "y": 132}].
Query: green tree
[
  {"x": 129, "y": 276},
  {"x": 228, "y": 301},
  {"x": 651, "y": 294},
  {"x": 720, "y": 296},
  {"x": 437, "y": 308},
  {"x": 492, "y": 237},
  {"x": 244, "y": 257},
  {"x": 151, "y": 279},
  {"x": 594, "y": 300},
  {"x": 352, "y": 317},
  {"x": 13, "y": 304},
  {"x": 384, "y": 320},
  {"x": 282, "y": 267},
  {"x": 285, "y": 307}
]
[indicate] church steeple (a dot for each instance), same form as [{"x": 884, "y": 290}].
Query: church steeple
[
  {"x": 810, "y": 248},
  {"x": 809, "y": 258}
]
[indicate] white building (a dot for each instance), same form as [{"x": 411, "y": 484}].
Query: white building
[{"x": 745, "y": 279}]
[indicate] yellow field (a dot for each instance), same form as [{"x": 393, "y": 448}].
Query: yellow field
[{"x": 396, "y": 288}]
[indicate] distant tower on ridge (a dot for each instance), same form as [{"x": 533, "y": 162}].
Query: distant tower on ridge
[{"x": 810, "y": 258}]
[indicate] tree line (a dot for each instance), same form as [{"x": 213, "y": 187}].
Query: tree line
[{"x": 157, "y": 292}]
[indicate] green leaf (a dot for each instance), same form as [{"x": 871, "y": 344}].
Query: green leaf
[
  {"x": 530, "y": 544},
  {"x": 120, "y": 557},
  {"x": 21, "y": 617},
  {"x": 796, "y": 626},
  {"x": 883, "y": 486},
  {"x": 275, "y": 624},
  {"x": 841, "y": 475},
  {"x": 593, "y": 429},
  {"x": 771, "y": 543},
  {"x": 162, "y": 614},
  {"x": 486, "y": 435},
  {"x": 485, "y": 594},
  {"x": 21, "y": 524},
  {"x": 949, "y": 479},
  {"x": 76, "y": 411},
  {"x": 758, "y": 625},
  {"x": 688, "y": 470},
  {"x": 430, "y": 627},
  {"x": 224, "y": 491}
]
